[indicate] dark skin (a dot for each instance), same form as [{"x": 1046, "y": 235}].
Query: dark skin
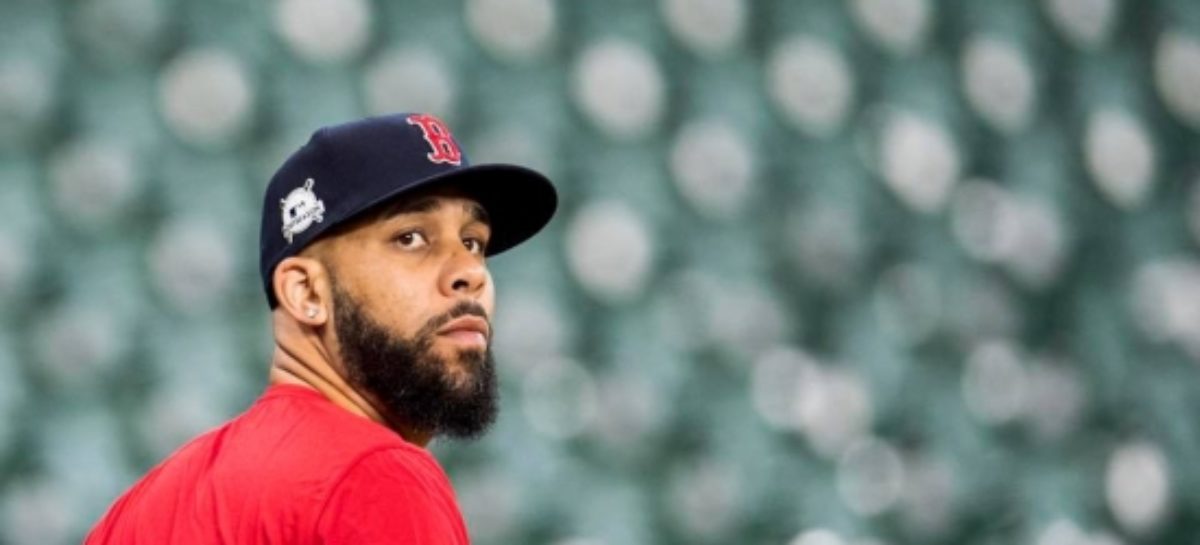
[{"x": 405, "y": 264}]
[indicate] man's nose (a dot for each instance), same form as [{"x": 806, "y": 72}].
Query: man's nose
[{"x": 464, "y": 274}]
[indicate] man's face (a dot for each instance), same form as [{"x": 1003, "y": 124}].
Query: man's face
[{"x": 412, "y": 302}]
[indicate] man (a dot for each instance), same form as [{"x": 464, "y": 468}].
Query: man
[{"x": 372, "y": 255}]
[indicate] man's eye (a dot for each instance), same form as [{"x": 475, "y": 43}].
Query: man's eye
[
  {"x": 411, "y": 239},
  {"x": 476, "y": 246}
]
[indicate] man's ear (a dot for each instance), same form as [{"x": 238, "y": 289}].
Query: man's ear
[{"x": 302, "y": 289}]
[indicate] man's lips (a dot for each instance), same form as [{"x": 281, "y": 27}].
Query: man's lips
[{"x": 467, "y": 329}]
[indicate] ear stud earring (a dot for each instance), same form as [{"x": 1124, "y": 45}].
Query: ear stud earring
[{"x": 312, "y": 312}]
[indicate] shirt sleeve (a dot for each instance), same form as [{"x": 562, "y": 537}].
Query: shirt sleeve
[{"x": 385, "y": 498}]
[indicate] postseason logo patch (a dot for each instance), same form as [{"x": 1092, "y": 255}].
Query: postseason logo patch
[{"x": 300, "y": 209}]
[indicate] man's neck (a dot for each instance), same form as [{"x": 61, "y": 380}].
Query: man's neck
[{"x": 312, "y": 371}]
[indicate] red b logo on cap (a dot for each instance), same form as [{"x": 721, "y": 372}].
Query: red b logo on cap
[{"x": 445, "y": 149}]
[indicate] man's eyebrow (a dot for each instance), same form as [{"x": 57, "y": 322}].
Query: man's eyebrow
[
  {"x": 477, "y": 212},
  {"x": 425, "y": 205}
]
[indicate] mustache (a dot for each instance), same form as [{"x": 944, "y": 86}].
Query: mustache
[{"x": 463, "y": 308}]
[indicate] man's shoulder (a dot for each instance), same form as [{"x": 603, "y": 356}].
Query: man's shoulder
[
  {"x": 281, "y": 459},
  {"x": 392, "y": 495},
  {"x": 293, "y": 430},
  {"x": 398, "y": 465}
]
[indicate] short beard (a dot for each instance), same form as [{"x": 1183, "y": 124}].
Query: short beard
[{"x": 411, "y": 381}]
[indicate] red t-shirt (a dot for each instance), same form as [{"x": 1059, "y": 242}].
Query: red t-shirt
[{"x": 296, "y": 469}]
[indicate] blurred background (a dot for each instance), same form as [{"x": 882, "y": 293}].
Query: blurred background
[{"x": 825, "y": 272}]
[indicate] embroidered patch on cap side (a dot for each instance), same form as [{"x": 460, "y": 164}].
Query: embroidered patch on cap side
[{"x": 300, "y": 209}]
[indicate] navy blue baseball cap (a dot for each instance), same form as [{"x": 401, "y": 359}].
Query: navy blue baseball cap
[{"x": 346, "y": 170}]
